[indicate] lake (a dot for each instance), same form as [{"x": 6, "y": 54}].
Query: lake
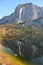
[{"x": 37, "y": 61}]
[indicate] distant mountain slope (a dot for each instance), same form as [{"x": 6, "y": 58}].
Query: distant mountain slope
[{"x": 24, "y": 13}]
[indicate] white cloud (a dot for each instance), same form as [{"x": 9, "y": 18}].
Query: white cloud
[{"x": 0, "y": 17}]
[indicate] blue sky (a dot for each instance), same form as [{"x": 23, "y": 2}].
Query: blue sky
[{"x": 8, "y": 6}]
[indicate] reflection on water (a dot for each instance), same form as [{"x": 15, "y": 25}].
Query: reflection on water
[
  {"x": 37, "y": 61},
  {"x": 8, "y": 50}
]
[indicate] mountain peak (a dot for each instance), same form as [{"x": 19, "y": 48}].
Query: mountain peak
[{"x": 24, "y": 13}]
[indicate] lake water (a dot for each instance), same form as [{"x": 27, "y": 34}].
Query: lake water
[{"x": 37, "y": 61}]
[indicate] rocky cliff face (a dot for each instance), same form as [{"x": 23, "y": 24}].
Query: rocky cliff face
[{"x": 24, "y": 13}]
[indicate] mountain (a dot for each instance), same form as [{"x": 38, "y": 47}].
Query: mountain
[
  {"x": 24, "y": 13},
  {"x": 25, "y": 41}
]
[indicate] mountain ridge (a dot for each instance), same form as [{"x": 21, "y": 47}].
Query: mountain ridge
[{"x": 24, "y": 13}]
